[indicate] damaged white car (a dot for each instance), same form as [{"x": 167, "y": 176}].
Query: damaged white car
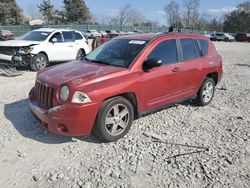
[{"x": 40, "y": 47}]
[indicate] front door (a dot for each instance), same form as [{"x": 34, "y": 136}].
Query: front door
[{"x": 162, "y": 85}]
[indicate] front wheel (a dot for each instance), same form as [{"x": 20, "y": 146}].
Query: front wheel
[
  {"x": 114, "y": 119},
  {"x": 39, "y": 62},
  {"x": 206, "y": 92},
  {"x": 80, "y": 54}
]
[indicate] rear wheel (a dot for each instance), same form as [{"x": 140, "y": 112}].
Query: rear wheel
[
  {"x": 114, "y": 119},
  {"x": 39, "y": 62},
  {"x": 206, "y": 92}
]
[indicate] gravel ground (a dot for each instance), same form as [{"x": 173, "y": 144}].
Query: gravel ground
[{"x": 182, "y": 146}]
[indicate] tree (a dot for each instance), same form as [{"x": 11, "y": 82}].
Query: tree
[
  {"x": 237, "y": 21},
  {"x": 191, "y": 14},
  {"x": 46, "y": 10},
  {"x": 245, "y": 6},
  {"x": 10, "y": 13},
  {"x": 123, "y": 15},
  {"x": 135, "y": 17},
  {"x": 172, "y": 11},
  {"x": 76, "y": 11}
]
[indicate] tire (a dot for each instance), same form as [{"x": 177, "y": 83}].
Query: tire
[
  {"x": 205, "y": 93},
  {"x": 39, "y": 62},
  {"x": 114, "y": 119},
  {"x": 80, "y": 54}
]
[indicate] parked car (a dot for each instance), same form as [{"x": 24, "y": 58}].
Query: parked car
[
  {"x": 92, "y": 33},
  {"x": 6, "y": 35},
  {"x": 222, "y": 37},
  {"x": 40, "y": 47},
  {"x": 124, "y": 79},
  {"x": 243, "y": 37}
]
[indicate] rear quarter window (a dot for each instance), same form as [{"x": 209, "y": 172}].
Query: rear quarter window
[{"x": 204, "y": 47}]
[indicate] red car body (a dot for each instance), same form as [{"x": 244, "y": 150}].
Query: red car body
[{"x": 148, "y": 90}]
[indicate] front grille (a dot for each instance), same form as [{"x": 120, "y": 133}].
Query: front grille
[
  {"x": 8, "y": 50},
  {"x": 45, "y": 94}
]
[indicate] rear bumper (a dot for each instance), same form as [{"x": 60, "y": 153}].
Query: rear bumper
[{"x": 66, "y": 120}]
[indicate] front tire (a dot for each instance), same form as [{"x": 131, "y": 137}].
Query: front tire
[
  {"x": 114, "y": 119},
  {"x": 205, "y": 93},
  {"x": 80, "y": 54},
  {"x": 39, "y": 62}
]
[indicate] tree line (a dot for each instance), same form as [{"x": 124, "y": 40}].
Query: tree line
[
  {"x": 179, "y": 14},
  {"x": 186, "y": 15}
]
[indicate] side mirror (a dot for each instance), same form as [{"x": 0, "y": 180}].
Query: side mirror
[
  {"x": 151, "y": 63},
  {"x": 54, "y": 40}
]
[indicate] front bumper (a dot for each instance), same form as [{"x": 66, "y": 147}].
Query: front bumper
[
  {"x": 66, "y": 120},
  {"x": 16, "y": 60}
]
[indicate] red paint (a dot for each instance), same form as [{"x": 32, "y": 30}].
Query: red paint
[{"x": 152, "y": 89}]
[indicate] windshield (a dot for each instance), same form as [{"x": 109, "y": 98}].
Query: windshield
[
  {"x": 117, "y": 52},
  {"x": 35, "y": 36}
]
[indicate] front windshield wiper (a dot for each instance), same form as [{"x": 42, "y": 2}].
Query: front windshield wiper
[{"x": 98, "y": 61}]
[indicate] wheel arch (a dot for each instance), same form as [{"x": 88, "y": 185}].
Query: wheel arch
[
  {"x": 131, "y": 97},
  {"x": 214, "y": 76}
]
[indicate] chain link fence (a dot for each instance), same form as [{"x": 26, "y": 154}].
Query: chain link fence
[{"x": 20, "y": 30}]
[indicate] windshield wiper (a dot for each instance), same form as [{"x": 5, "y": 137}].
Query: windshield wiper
[{"x": 100, "y": 61}]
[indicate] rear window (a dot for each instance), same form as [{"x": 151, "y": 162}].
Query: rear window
[
  {"x": 188, "y": 49},
  {"x": 204, "y": 47}
]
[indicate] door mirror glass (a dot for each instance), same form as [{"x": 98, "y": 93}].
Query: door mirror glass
[
  {"x": 151, "y": 63},
  {"x": 54, "y": 40}
]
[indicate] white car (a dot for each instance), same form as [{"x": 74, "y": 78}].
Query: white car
[
  {"x": 39, "y": 47},
  {"x": 92, "y": 33},
  {"x": 222, "y": 37}
]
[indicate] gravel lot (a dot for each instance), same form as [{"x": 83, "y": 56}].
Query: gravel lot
[{"x": 182, "y": 146}]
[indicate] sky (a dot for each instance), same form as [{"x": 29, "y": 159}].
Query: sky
[{"x": 152, "y": 9}]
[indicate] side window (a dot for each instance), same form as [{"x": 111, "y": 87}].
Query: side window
[
  {"x": 204, "y": 47},
  {"x": 78, "y": 36},
  {"x": 68, "y": 36},
  {"x": 58, "y": 36},
  {"x": 188, "y": 49},
  {"x": 166, "y": 51}
]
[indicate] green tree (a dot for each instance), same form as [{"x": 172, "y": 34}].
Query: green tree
[
  {"x": 237, "y": 21},
  {"x": 46, "y": 9},
  {"x": 10, "y": 13},
  {"x": 76, "y": 11}
]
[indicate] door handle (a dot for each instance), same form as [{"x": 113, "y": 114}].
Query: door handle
[
  {"x": 176, "y": 69},
  {"x": 71, "y": 46}
]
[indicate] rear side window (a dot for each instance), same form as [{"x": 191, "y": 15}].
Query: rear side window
[
  {"x": 188, "y": 49},
  {"x": 166, "y": 51},
  {"x": 204, "y": 47},
  {"x": 78, "y": 36},
  {"x": 68, "y": 36}
]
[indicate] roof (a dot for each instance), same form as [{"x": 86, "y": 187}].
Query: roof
[
  {"x": 151, "y": 36},
  {"x": 52, "y": 29}
]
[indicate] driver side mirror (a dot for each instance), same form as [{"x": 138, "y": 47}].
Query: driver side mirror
[
  {"x": 151, "y": 63},
  {"x": 54, "y": 40}
]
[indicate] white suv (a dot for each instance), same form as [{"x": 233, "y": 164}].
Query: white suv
[{"x": 39, "y": 47}]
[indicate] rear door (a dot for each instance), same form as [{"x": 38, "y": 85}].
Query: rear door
[
  {"x": 191, "y": 66},
  {"x": 162, "y": 85}
]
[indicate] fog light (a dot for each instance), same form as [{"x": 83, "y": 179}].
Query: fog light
[{"x": 63, "y": 128}]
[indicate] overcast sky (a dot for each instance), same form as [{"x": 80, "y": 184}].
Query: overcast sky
[{"x": 152, "y": 9}]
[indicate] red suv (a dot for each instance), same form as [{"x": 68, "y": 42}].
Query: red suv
[{"x": 124, "y": 79}]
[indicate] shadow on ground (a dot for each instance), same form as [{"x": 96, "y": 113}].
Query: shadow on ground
[{"x": 18, "y": 113}]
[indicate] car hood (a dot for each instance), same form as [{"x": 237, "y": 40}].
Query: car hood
[
  {"x": 18, "y": 43},
  {"x": 75, "y": 73}
]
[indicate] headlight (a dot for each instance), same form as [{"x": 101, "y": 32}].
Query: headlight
[
  {"x": 64, "y": 93},
  {"x": 25, "y": 50},
  {"x": 80, "y": 98}
]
